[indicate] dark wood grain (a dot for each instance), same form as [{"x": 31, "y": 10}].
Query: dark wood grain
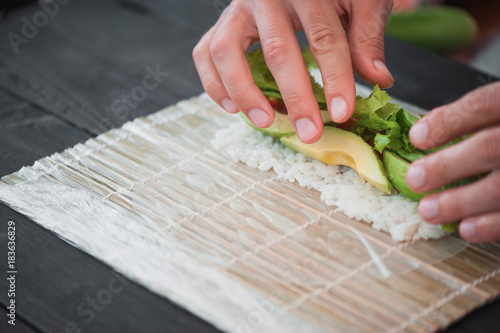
[
  {"x": 28, "y": 133},
  {"x": 93, "y": 52},
  {"x": 59, "y": 89}
]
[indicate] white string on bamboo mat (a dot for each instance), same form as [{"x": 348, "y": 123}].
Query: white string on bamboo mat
[
  {"x": 269, "y": 244},
  {"x": 304, "y": 297},
  {"x": 220, "y": 203},
  {"x": 181, "y": 112},
  {"x": 157, "y": 175},
  {"x": 427, "y": 311}
]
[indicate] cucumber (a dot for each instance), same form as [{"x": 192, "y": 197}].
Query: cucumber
[{"x": 439, "y": 29}]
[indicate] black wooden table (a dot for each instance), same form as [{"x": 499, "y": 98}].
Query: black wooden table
[{"x": 71, "y": 71}]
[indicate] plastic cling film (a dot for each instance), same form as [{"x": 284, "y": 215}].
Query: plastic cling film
[{"x": 250, "y": 239}]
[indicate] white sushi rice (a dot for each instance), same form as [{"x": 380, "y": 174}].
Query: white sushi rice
[{"x": 339, "y": 186}]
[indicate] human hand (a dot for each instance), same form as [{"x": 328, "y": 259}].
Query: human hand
[
  {"x": 476, "y": 204},
  {"x": 226, "y": 77}
]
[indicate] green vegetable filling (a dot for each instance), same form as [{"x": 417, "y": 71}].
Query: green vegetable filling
[{"x": 376, "y": 120}]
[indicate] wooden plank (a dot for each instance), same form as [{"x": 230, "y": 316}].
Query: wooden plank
[
  {"x": 28, "y": 134},
  {"x": 75, "y": 70}
]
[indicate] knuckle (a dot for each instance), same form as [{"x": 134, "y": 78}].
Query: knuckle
[
  {"x": 488, "y": 99},
  {"x": 239, "y": 96},
  {"x": 489, "y": 147},
  {"x": 274, "y": 50},
  {"x": 322, "y": 39},
  {"x": 493, "y": 227},
  {"x": 293, "y": 102},
  {"x": 211, "y": 87},
  {"x": 368, "y": 40},
  {"x": 454, "y": 122},
  {"x": 383, "y": 11},
  {"x": 494, "y": 186},
  {"x": 437, "y": 166},
  {"x": 474, "y": 99},
  {"x": 438, "y": 132},
  {"x": 451, "y": 205},
  {"x": 373, "y": 42},
  {"x": 478, "y": 101},
  {"x": 332, "y": 83},
  {"x": 219, "y": 47}
]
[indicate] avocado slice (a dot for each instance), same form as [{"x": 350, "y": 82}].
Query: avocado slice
[
  {"x": 282, "y": 126},
  {"x": 339, "y": 147},
  {"x": 396, "y": 168}
]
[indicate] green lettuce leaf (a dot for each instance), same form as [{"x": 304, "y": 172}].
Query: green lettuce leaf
[
  {"x": 377, "y": 100},
  {"x": 264, "y": 79},
  {"x": 261, "y": 74},
  {"x": 411, "y": 156},
  {"x": 450, "y": 227},
  {"x": 377, "y": 118},
  {"x": 309, "y": 59}
]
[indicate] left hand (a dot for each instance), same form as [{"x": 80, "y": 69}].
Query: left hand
[
  {"x": 477, "y": 205},
  {"x": 220, "y": 57}
]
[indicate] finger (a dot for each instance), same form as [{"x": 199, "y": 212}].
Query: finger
[
  {"x": 475, "y": 110},
  {"x": 481, "y": 229},
  {"x": 208, "y": 74},
  {"x": 329, "y": 47},
  {"x": 227, "y": 48},
  {"x": 461, "y": 202},
  {"x": 284, "y": 59},
  {"x": 366, "y": 40},
  {"x": 478, "y": 154}
]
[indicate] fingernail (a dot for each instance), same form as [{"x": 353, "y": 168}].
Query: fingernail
[
  {"x": 428, "y": 209},
  {"x": 229, "y": 106},
  {"x": 468, "y": 229},
  {"x": 382, "y": 68},
  {"x": 306, "y": 129},
  {"x": 418, "y": 133},
  {"x": 258, "y": 117},
  {"x": 415, "y": 176},
  {"x": 338, "y": 109}
]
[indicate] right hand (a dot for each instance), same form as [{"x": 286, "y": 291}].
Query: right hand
[
  {"x": 477, "y": 204},
  {"x": 226, "y": 77}
]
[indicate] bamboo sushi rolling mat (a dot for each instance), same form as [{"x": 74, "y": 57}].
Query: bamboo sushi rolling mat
[{"x": 239, "y": 247}]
